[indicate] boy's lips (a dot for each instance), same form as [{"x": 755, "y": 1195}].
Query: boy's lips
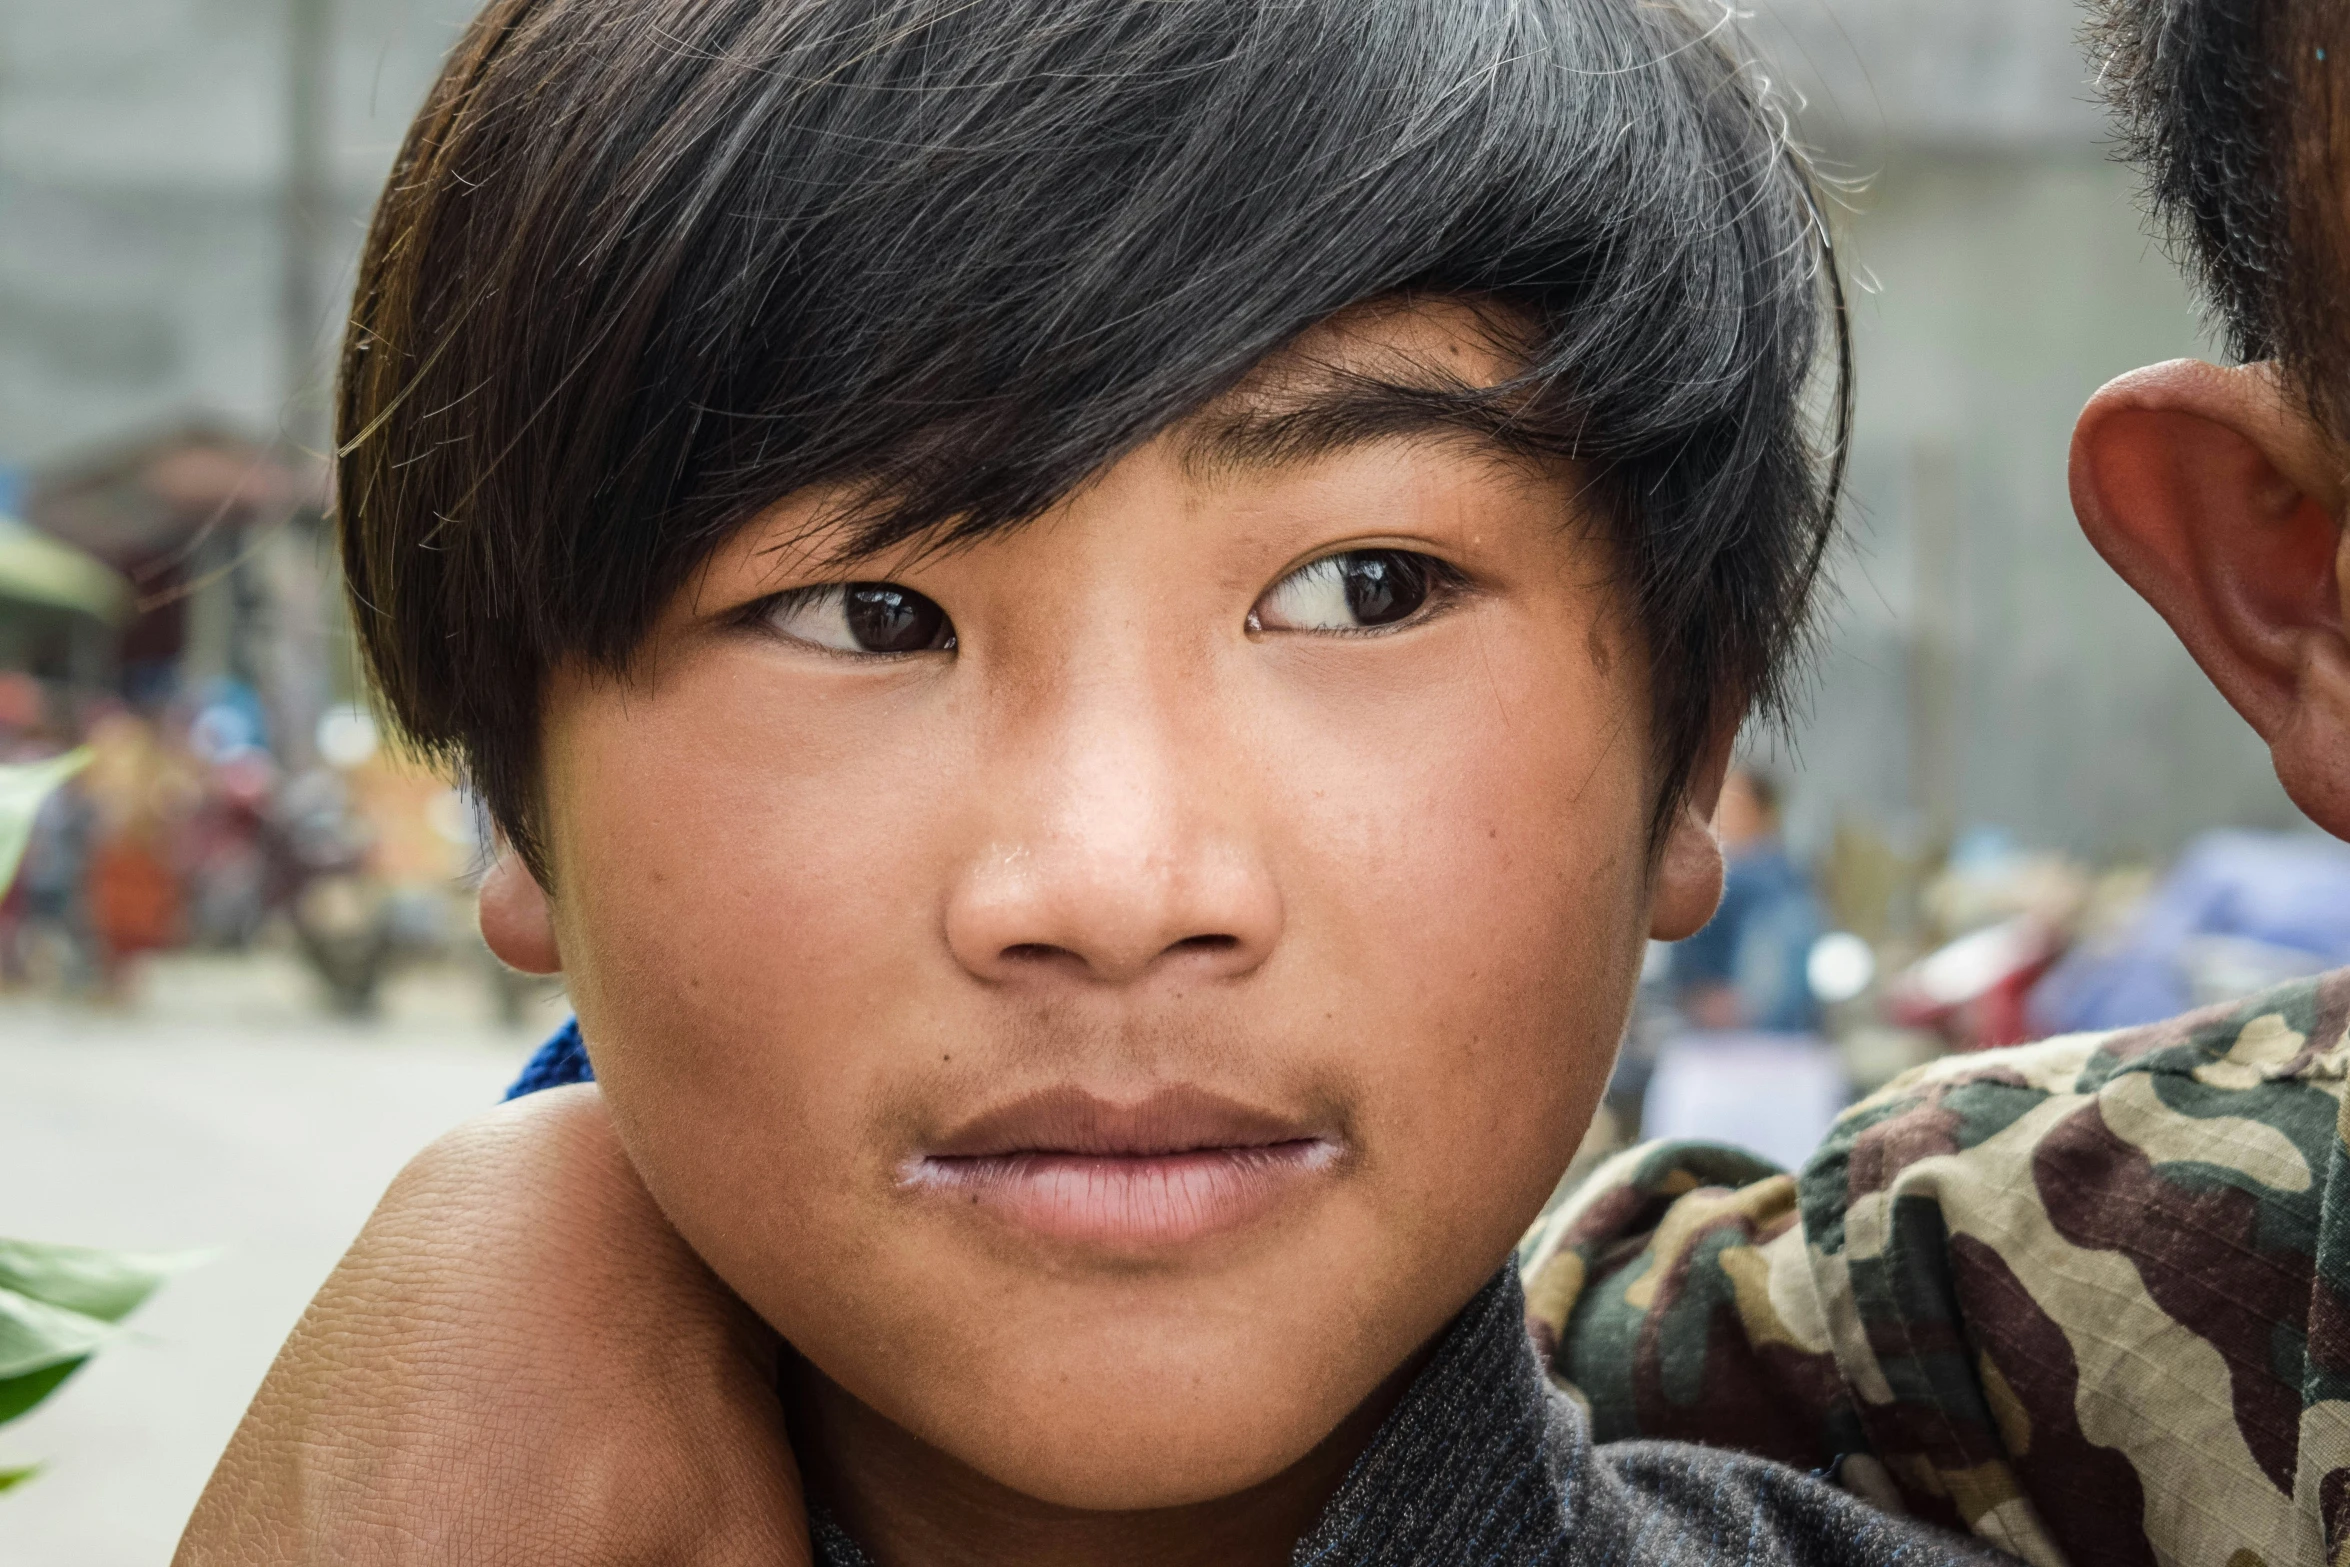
[{"x": 1071, "y": 1166}]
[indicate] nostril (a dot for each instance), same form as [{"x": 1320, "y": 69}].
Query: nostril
[
  {"x": 1206, "y": 944},
  {"x": 1041, "y": 957}
]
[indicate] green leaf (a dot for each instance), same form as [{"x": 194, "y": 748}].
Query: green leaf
[
  {"x": 59, "y": 1304},
  {"x": 19, "y": 1394},
  {"x": 23, "y": 786},
  {"x": 12, "y": 1478},
  {"x": 35, "y": 1334},
  {"x": 108, "y": 1285}
]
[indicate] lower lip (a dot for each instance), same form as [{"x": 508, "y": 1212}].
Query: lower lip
[{"x": 1126, "y": 1201}]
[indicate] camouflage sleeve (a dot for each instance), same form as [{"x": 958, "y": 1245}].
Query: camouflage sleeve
[
  {"x": 1661, "y": 1294},
  {"x": 2088, "y": 1298}
]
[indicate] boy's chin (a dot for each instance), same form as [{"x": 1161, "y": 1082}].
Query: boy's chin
[
  {"x": 1144, "y": 1394},
  {"x": 1144, "y": 1438}
]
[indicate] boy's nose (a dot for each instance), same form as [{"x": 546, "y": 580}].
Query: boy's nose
[
  {"x": 1039, "y": 917},
  {"x": 1113, "y": 865}
]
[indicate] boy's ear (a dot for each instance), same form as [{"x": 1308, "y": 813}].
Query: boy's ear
[
  {"x": 516, "y": 919},
  {"x": 2220, "y": 500},
  {"x": 1688, "y": 885}
]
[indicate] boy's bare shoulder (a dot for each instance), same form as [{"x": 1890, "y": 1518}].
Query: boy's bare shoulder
[{"x": 2036, "y": 1292}]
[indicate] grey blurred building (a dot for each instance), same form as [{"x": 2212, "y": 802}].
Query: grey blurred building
[
  {"x": 146, "y": 159},
  {"x": 179, "y": 221},
  {"x": 182, "y": 189}
]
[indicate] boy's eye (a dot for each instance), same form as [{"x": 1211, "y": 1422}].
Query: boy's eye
[
  {"x": 863, "y": 617},
  {"x": 1361, "y": 590}
]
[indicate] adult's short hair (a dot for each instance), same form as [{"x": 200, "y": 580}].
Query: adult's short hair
[
  {"x": 644, "y": 267},
  {"x": 2233, "y": 109}
]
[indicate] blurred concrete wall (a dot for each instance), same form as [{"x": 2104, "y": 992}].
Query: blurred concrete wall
[
  {"x": 142, "y": 166},
  {"x": 1983, "y": 665}
]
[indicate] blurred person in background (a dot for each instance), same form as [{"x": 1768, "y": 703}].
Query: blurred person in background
[
  {"x": 1738, "y": 1059},
  {"x": 2089, "y": 1298},
  {"x": 142, "y": 793},
  {"x": 23, "y": 711},
  {"x": 45, "y": 935},
  {"x": 1746, "y": 969},
  {"x": 228, "y": 850}
]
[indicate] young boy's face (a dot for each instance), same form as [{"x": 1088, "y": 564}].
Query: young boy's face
[{"x": 1110, "y": 998}]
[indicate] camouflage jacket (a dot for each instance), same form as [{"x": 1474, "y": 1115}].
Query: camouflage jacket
[{"x": 2088, "y": 1298}]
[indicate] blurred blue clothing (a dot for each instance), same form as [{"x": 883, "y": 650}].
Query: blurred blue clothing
[
  {"x": 2286, "y": 893},
  {"x": 561, "y": 1061},
  {"x": 1758, "y": 942}
]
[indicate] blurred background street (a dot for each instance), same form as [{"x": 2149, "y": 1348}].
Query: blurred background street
[{"x": 239, "y": 981}]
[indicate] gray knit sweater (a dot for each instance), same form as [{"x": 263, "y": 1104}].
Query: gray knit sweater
[{"x": 1483, "y": 1462}]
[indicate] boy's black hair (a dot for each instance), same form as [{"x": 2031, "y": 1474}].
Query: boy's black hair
[
  {"x": 646, "y": 266},
  {"x": 2233, "y": 109}
]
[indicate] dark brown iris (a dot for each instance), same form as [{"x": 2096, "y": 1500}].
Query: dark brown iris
[
  {"x": 885, "y": 618},
  {"x": 1384, "y": 586}
]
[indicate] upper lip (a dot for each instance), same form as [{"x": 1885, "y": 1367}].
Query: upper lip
[{"x": 1076, "y": 1121}]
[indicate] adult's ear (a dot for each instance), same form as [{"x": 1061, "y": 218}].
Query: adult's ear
[
  {"x": 2220, "y": 500},
  {"x": 516, "y": 919},
  {"x": 1688, "y": 882}
]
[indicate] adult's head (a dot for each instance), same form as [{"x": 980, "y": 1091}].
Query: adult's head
[
  {"x": 2219, "y": 493},
  {"x": 1107, "y": 623}
]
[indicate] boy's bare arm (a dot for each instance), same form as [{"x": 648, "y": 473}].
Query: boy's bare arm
[{"x": 517, "y": 1362}]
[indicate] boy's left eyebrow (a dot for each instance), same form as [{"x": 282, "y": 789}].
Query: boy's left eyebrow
[{"x": 1281, "y": 431}]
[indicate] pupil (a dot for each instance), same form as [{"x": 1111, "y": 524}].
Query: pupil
[
  {"x": 886, "y": 619},
  {"x": 1384, "y": 586}
]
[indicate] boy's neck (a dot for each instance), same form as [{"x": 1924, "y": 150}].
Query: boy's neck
[{"x": 907, "y": 1504}]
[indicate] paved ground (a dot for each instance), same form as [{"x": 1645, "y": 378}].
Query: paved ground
[{"x": 221, "y": 1112}]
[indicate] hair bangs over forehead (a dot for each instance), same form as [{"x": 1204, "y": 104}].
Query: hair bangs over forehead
[{"x": 645, "y": 268}]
